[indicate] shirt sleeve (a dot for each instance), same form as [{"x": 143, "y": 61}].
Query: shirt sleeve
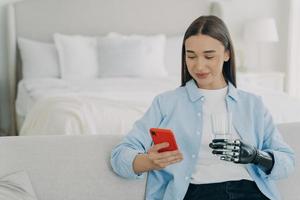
[
  {"x": 284, "y": 159},
  {"x": 138, "y": 140}
]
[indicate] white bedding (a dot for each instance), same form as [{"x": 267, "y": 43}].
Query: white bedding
[
  {"x": 111, "y": 105},
  {"x": 108, "y": 106},
  {"x": 132, "y": 89}
]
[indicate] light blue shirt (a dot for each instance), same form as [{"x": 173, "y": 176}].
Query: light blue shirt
[{"x": 181, "y": 111}]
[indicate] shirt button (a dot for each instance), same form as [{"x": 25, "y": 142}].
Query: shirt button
[
  {"x": 186, "y": 178},
  {"x": 198, "y": 132},
  {"x": 193, "y": 156},
  {"x": 202, "y": 98},
  {"x": 199, "y": 114}
]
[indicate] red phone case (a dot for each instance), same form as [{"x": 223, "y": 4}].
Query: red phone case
[{"x": 160, "y": 135}]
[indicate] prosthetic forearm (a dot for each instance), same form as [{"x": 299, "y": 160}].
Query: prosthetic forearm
[{"x": 238, "y": 151}]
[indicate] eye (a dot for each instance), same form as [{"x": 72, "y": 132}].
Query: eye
[
  {"x": 209, "y": 57},
  {"x": 191, "y": 57}
]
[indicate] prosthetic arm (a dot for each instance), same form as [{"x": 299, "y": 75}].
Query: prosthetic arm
[{"x": 238, "y": 151}]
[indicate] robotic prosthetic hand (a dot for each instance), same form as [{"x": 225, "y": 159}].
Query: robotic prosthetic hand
[{"x": 238, "y": 151}]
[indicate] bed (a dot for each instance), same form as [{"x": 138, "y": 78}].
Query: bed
[
  {"x": 39, "y": 20},
  {"x": 104, "y": 105},
  {"x": 111, "y": 105}
]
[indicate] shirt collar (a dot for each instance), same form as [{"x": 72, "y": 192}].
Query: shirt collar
[{"x": 195, "y": 94}]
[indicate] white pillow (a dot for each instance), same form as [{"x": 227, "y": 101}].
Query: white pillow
[
  {"x": 173, "y": 55},
  {"x": 132, "y": 56},
  {"x": 39, "y": 60},
  {"x": 77, "y": 56},
  {"x": 16, "y": 186}
]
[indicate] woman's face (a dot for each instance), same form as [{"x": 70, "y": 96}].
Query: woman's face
[{"x": 204, "y": 57}]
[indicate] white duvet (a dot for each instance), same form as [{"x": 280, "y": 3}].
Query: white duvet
[
  {"x": 81, "y": 114},
  {"x": 112, "y": 105},
  {"x": 104, "y": 106}
]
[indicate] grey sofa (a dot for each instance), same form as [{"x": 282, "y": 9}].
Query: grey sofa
[
  {"x": 68, "y": 167},
  {"x": 78, "y": 168}
]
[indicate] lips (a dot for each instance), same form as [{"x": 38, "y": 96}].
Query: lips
[{"x": 202, "y": 75}]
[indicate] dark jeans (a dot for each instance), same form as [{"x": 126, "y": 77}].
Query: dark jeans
[{"x": 229, "y": 190}]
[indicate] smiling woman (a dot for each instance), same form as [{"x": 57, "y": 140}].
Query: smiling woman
[
  {"x": 205, "y": 55},
  {"x": 204, "y": 59},
  {"x": 246, "y": 168}
]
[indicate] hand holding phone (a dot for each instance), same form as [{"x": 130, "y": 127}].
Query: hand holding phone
[
  {"x": 164, "y": 152},
  {"x": 160, "y": 135}
]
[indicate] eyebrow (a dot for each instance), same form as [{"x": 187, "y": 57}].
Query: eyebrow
[{"x": 207, "y": 51}]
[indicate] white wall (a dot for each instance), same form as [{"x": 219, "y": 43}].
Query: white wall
[
  {"x": 293, "y": 60},
  {"x": 236, "y": 12}
]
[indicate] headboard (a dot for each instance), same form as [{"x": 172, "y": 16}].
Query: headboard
[{"x": 39, "y": 19}]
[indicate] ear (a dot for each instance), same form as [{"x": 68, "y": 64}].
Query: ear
[{"x": 226, "y": 56}]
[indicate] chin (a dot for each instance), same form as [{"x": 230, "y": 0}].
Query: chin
[
  {"x": 203, "y": 84},
  {"x": 203, "y": 87}
]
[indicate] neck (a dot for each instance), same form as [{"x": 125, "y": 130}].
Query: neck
[{"x": 214, "y": 86}]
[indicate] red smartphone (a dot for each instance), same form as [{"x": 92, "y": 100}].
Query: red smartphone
[{"x": 160, "y": 135}]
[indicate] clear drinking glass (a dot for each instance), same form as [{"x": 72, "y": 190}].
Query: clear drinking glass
[{"x": 221, "y": 125}]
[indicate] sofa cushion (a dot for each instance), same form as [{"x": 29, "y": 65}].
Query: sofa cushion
[
  {"x": 16, "y": 186},
  {"x": 289, "y": 188}
]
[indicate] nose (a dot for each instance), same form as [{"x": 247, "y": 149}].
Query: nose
[{"x": 200, "y": 64}]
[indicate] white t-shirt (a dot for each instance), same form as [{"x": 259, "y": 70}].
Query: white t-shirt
[{"x": 209, "y": 168}]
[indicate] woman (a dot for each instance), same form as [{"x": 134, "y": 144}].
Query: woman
[{"x": 248, "y": 165}]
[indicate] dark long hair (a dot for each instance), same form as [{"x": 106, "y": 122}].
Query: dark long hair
[{"x": 215, "y": 28}]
